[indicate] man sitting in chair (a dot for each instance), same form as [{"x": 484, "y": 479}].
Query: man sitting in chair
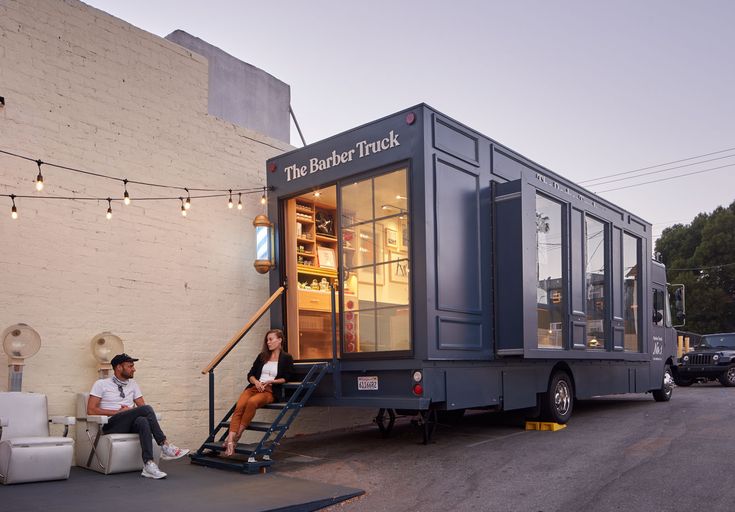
[{"x": 120, "y": 398}]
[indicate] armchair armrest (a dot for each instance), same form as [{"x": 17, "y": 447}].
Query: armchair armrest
[
  {"x": 98, "y": 418},
  {"x": 63, "y": 420}
]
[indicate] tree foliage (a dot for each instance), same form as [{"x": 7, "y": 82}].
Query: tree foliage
[{"x": 701, "y": 255}]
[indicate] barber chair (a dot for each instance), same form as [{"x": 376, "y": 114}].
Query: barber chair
[
  {"x": 27, "y": 452},
  {"x": 106, "y": 453}
]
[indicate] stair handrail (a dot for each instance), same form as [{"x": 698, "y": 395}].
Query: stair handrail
[{"x": 240, "y": 335}]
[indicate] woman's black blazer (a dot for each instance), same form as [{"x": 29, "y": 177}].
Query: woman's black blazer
[{"x": 285, "y": 371}]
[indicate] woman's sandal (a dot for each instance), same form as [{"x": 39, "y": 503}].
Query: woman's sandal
[{"x": 229, "y": 448}]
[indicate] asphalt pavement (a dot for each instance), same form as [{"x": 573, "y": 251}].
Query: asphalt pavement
[{"x": 622, "y": 453}]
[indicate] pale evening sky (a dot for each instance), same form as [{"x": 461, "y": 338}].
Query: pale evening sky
[{"x": 584, "y": 88}]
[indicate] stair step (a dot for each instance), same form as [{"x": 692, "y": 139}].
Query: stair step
[
  {"x": 262, "y": 426},
  {"x": 232, "y": 465},
  {"x": 275, "y": 407},
  {"x": 217, "y": 447}
]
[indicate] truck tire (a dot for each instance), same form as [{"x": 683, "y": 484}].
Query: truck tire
[
  {"x": 728, "y": 377},
  {"x": 667, "y": 387},
  {"x": 558, "y": 401}
]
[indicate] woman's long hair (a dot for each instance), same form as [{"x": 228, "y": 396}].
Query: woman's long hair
[{"x": 265, "y": 352}]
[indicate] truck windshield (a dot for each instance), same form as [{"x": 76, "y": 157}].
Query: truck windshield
[{"x": 718, "y": 341}]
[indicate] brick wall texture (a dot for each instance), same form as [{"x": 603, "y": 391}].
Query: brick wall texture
[{"x": 90, "y": 91}]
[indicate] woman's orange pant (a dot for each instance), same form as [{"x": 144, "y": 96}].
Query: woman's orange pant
[{"x": 250, "y": 400}]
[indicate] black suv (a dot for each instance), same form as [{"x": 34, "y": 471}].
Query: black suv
[{"x": 713, "y": 358}]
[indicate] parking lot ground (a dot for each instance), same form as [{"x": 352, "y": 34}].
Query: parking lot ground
[{"x": 621, "y": 453}]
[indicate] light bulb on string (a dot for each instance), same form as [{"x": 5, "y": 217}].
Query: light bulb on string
[
  {"x": 109, "y": 208},
  {"x": 13, "y": 210},
  {"x": 229, "y": 203},
  {"x": 39, "y": 178},
  {"x": 262, "y": 198},
  {"x": 126, "y": 196},
  {"x": 183, "y": 208},
  {"x": 239, "y": 201},
  {"x": 187, "y": 203}
]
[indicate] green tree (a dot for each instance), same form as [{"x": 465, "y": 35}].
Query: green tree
[{"x": 701, "y": 255}]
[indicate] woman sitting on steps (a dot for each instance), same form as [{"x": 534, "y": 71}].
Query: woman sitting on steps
[{"x": 271, "y": 368}]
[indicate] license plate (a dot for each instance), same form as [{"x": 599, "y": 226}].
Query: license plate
[{"x": 369, "y": 383}]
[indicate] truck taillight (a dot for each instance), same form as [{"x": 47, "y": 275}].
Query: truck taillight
[{"x": 418, "y": 389}]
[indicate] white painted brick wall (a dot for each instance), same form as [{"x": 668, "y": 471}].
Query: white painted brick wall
[{"x": 87, "y": 90}]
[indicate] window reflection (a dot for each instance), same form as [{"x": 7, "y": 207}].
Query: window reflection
[
  {"x": 595, "y": 282},
  {"x": 549, "y": 277},
  {"x": 631, "y": 268},
  {"x": 375, "y": 247}
]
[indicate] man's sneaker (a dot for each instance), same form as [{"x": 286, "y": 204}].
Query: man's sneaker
[
  {"x": 171, "y": 452},
  {"x": 150, "y": 470}
]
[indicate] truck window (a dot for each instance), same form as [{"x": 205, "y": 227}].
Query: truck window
[
  {"x": 374, "y": 230},
  {"x": 550, "y": 296},
  {"x": 659, "y": 308},
  {"x": 595, "y": 282},
  {"x": 631, "y": 292}
]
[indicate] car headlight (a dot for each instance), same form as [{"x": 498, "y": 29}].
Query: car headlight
[
  {"x": 716, "y": 357},
  {"x": 685, "y": 359}
]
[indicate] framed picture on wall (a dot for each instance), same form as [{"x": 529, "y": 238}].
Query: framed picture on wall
[
  {"x": 391, "y": 238},
  {"x": 370, "y": 255},
  {"x": 398, "y": 267},
  {"x": 326, "y": 257}
]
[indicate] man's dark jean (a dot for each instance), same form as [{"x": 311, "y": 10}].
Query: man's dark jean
[{"x": 141, "y": 421}]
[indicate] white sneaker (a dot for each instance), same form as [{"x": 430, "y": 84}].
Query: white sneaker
[
  {"x": 150, "y": 470},
  {"x": 171, "y": 452}
]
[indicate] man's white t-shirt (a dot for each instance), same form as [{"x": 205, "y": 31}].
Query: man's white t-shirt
[{"x": 109, "y": 393}]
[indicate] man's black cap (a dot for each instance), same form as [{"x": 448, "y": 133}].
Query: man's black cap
[{"x": 122, "y": 358}]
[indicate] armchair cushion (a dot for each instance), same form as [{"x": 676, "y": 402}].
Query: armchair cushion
[{"x": 27, "y": 452}]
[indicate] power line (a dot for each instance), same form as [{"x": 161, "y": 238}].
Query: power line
[
  {"x": 666, "y": 179},
  {"x": 704, "y": 268},
  {"x": 657, "y": 165}
]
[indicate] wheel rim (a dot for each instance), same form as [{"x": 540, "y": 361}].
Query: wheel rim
[
  {"x": 562, "y": 398},
  {"x": 731, "y": 375},
  {"x": 668, "y": 383}
]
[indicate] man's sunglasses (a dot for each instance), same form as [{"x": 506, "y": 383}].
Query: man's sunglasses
[{"x": 120, "y": 389}]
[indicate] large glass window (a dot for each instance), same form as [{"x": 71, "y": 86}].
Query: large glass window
[
  {"x": 374, "y": 230},
  {"x": 631, "y": 285},
  {"x": 595, "y": 282},
  {"x": 550, "y": 287}
]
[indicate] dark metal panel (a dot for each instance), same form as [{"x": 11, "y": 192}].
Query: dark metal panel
[
  {"x": 459, "y": 334},
  {"x": 616, "y": 292},
  {"x": 509, "y": 281},
  {"x": 576, "y": 280},
  {"x": 520, "y": 388},
  {"x": 456, "y": 140},
  {"x": 587, "y": 381},
  {"x": 472, "y": 387},
  {"x": 457, "y": 239},
  {"x": 506, "y": 167}
]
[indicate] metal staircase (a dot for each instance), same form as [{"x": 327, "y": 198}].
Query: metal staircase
[{"x": 256, "y": 457}]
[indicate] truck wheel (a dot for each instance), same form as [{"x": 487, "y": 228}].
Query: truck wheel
[
  {"x": 728, "y": 377},
  {"x": 557, "y": 402},
  {"x": 681, "y": 381},
  {"x": 667, "y": 387}
]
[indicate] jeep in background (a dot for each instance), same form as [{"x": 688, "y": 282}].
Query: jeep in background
[{"x": 712, "y": 358}]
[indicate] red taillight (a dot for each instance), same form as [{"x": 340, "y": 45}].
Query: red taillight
[{"x": 418, "y": 389}]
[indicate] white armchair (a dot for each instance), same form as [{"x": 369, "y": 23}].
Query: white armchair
[
  {"x": 106, "y": 453},
  {"x": 27, "y": 452}
]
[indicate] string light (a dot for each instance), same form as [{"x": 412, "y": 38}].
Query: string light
[
  {"x": 262, "y": 198},
  {"x": 39, "y": 178},
  {"x": 109, "y": 208},
  {"x": 183, "y": 208},
  {"x": 126, "y": 196},
  {"x": 229, "y": 203},
  {"x": 239, "y": 201},
  {"x": 187, "y": 204},
  {"x": 13, "y": 210}
]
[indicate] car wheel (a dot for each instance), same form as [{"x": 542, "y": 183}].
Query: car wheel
[
  {"x": 558, "y": 401},
  {"x": 728, "y": 377},
  {"x": 667, "y": 387}
]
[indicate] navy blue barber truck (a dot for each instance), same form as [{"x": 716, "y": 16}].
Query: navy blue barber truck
[{"x": 435, "y": 269}]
